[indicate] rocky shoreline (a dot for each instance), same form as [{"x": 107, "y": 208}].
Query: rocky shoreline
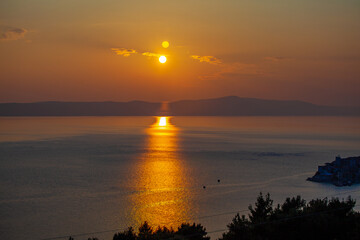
[{"x": 341, "y": 172}]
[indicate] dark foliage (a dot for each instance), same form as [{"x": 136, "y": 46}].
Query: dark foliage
[
  {"x": 191, "y": 232},
  {"x": 185, "y": 232},
  {"x": 296, "y": 219},
  {"x": 125, "y": 235}
]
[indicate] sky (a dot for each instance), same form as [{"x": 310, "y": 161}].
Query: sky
[{"x": 90, "y": 50}]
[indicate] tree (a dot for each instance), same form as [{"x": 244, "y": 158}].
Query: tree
[
  {"x": 145, "y": 232},
  {"x": 239, "y": 228},
  {"x": 292, "y": 205},
  {"x": 262, "y": 210},
  {"x": 191, "y": 232},
  {"x": 295, "y": 219},
  {"x": 164, "y": 233},
  {"x": 125, "y": 235}
]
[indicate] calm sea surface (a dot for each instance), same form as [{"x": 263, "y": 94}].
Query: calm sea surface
[{"x": 62, "y": 176}]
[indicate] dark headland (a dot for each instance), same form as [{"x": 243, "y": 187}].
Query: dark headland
[
  {"x": 341, "y": 172},
  {"x": 225, "y": 106}
]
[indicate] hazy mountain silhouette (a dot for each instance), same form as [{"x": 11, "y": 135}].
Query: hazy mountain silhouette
[
  {"x": 225, "y": 106},
  {"x": 236, "y": 106},
  {"x": 133, "y": 108}
]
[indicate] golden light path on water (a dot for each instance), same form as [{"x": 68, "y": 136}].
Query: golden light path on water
[{"x": 162, "y": 197}]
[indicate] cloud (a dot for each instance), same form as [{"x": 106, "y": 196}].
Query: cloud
[
  {"x": 124, "y": 52},
  {"x": 276, "y": 59},
  {"x": 11, "y": 33},
  {"x": 127, "y": 52},
  {"x": 208, "y": 59},
  {"x": 150, "y": 54}
]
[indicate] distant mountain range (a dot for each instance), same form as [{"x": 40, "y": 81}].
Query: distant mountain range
[{"x": 225, "y": 106}]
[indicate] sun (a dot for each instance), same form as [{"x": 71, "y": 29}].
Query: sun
[
  {"x": 162, "y": 59},
  {"x": 165, "y": 44}
]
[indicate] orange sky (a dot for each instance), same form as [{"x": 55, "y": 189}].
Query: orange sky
[{"x": 282, "y": 49}]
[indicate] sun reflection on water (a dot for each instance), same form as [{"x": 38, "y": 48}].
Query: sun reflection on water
[
  {"x": 162, "y": 195},
  {"x": 162, "y": 121}
]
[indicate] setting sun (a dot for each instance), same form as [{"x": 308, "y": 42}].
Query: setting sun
[
  {"x": 165, "y": 44},
  {"x": 162, "y": 121},
  {"x": 162, "y": 59}
]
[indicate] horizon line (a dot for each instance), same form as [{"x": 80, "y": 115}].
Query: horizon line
[{"x": 180, "y": 100}]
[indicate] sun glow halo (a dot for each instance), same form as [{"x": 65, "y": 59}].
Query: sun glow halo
[{"x": 162, "y": 59}]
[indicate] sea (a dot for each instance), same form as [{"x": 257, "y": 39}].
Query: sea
[{"x": 94, "y": 176}]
